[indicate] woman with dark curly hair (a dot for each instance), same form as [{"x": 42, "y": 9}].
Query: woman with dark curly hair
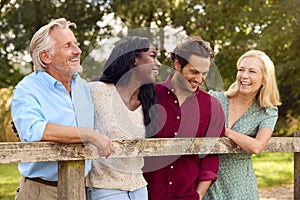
[{"x": 124, "y": 100}]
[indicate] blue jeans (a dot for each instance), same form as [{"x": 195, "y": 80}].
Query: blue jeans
[{"x": 103, "y": 194}]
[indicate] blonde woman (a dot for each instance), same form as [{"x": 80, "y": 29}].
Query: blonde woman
[{"x": 250, "y": 106}]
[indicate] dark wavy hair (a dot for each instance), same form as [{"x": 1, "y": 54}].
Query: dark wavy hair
[
  {"x": 118, "y": 70},
  {"x": 194, "y": 45}
]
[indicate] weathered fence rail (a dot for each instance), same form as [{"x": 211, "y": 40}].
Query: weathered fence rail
[{"x": 71, "y": 157}]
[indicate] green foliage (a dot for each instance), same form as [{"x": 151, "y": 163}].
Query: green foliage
[
  {"x": 287, "y": 126},
  {"x": 137, "y": 14},
  {"x": 23, "y": 18},
  {"x": 8, "y": 74},
  {"x": 232, "y": 27}
]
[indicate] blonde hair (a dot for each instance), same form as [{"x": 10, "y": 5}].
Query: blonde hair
[
  {"x": 42, "y": 41},
  {"x": 268, "y": 95}
]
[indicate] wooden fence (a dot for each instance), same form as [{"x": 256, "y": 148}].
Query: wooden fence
[{"x": 71, "y": 157}]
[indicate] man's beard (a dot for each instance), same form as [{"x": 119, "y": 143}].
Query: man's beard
[{"x": 70, "y": 71}]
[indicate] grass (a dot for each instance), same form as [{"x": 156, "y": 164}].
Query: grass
[
  {"x": 9, "y": 180},
  {"x": 272, "y": 169}
]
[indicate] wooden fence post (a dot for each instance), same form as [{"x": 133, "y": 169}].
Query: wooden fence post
[
  {"x": 71, "y": 183},
  {"x": 297, "y": 171}
]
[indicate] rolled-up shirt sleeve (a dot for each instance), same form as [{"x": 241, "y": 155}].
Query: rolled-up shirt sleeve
[
  {"x": 209, "y": 164},
  {"x": 27, "y": 116}
]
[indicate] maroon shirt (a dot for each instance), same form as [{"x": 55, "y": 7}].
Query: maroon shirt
[{"x": 200, "y": 115}]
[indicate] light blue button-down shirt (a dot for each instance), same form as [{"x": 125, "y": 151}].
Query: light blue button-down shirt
[{"x": 38, "y": 99}]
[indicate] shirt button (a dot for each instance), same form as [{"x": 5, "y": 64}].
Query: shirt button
[
  {"x": 172, "y": 90},
  {"x": 175, "y": 133},
  {"x": 170, "y": 183},
  {"x": 178, "y": 117},
  {"x": 168, "y": 92},
  {"x": 171, "y": 166},
  {"x": 175, "y": 101}
]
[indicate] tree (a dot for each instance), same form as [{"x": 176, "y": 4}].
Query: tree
[
  {"x": 232, "y": 28},
  {"x": 21, "y": 19}
]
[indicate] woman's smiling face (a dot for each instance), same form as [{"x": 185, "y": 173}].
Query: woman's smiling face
[
  {"x": 250, "y": 76},
  {"x": 147, "y": 65}
]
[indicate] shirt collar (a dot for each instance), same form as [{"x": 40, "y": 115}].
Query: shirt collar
[
  {"x": 50, "y": 80},
  {"x": 167, "y": 83}
]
